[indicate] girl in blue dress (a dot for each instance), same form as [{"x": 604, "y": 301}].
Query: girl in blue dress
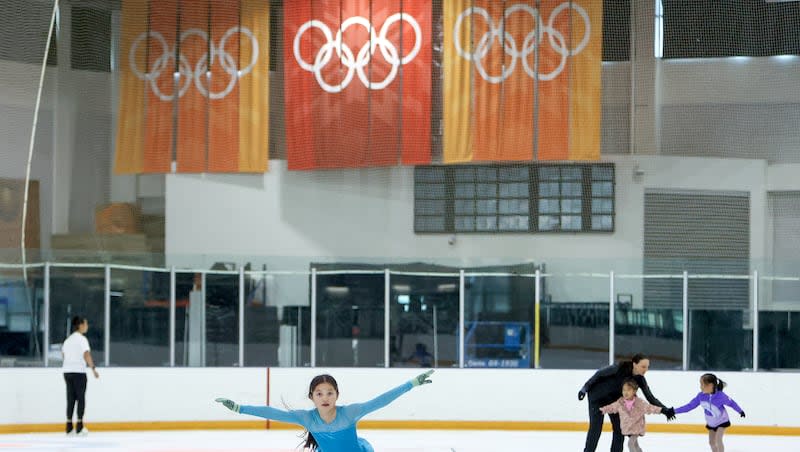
[{"x": 331, "y": 428}]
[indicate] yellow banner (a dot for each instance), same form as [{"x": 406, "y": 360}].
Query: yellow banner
[
  {"x": 522, "y": 80},
  {"x": 209, "y": 112}
]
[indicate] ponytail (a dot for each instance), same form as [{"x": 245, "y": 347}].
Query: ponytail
[{"x": 719, "y": 385}]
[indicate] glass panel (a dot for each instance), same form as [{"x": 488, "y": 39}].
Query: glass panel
[
  {"x": 513, "y": 206},
  {"x": 464, "y": 206},
  {"x": 465, "y": 190},
  {"x": 548, "y": 222},
  {"x": 571, "y": 205},
  {"x": 602, "y": 222},
  {"x": 602, "y": 188},
  {"x": 574, "y": 322},
  {"x": 350, "y": 323},
  {"x": 602, "y": 173},
  {"x": 487, "y": 174},
  {"x": 641, "y": 326},
  {"x": 487, "y": 190},
  {"x": 486, "y": 223},
  {"x": 720, "y": 338},
  {"x": 549, "y": 189},
  {"x": 424, "y": 321},
  {"x": 486, "y": 206},
  {"x": 571, "y": 173},
  {"x": 465, "y": 174},
  {"x": 76, "y": 291},
  {"x": 514, "y": 190},
  {"x": 434, "y": 224},
  {"x": 571, "y": 189},
  {"x": 267, "y": 340},
  {"x": 549, "y": 206},
  {"x": 549, "y": 173},
  {"x": 498, "y": 319},
  {"x": 139, "y": 318},
  {"x": 429, "y": 191},
  {"x": 465, "y": 223},
  {"x": 778, "y": 340},
  {"x": 187, "y": 337},
  {"x": 602, "y": 205},
  {"x": 570, "y": 222},
  {"x": 21, "y": 319},
  {"x": 221, "y": 320},
  {"x": 429, "y": 206},
  {"x": 428, "y": 174},
  {"x": 514, "y": 173},
  {"x": 514, "y": 223}
]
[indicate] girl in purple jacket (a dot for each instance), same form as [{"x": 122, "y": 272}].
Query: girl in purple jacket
[{"x": 713, "y": 400}]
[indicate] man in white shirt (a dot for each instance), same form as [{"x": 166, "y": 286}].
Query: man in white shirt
[{"x": 77, "y": 356}]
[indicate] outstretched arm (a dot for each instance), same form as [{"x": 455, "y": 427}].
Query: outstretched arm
[
  {"x": 651, "y": 409},
  {"x": 360, "y": 410},
  {"x": 610, "y": 408},
  {"x": 694, "y": 403},
  {"x": 732, "y": 403},
  {"x": 649, "y": 395},
  {"x": 267, "y": 412}
]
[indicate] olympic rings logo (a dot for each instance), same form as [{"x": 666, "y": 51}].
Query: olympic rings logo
[
  {"x": 356, "y": 63},
  {"x": 529, "y": 45},
  {"x": 200, "y": 73}
]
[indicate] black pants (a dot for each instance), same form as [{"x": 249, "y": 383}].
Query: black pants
[
  {"x": 76, "y": 392},
  {"x": 596, "y": 427}
]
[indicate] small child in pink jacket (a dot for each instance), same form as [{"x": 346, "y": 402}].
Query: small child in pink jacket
[{"x": 631, "y": 411}]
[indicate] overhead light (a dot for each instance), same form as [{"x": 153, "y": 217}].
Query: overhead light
[
  {"x": 337, "y": 290},
  {"x": 404, "y": 288},
  {"x": 786, "y": 57},
  {"x": 446, "y": 288}
]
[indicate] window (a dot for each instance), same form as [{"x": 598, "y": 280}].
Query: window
[
  {"x": 91, "y": 39},
  {"x": 23, "y": 31},
  {"x": 711, "y": 28},
  {"x": 616, "y": 30},
  {"x": 518, "y": 198}
]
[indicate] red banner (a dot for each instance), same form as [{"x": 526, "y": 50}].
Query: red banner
[{"x": 358, "y": 82}]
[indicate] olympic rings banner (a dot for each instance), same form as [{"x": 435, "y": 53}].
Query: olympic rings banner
[
  {"x": 522, "y": 80},
  {"x": 357, "y": 83},
  {"x": 194, "y": 86}
]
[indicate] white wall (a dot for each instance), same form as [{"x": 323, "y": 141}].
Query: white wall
[
  {"x": 36, "y": 396},
  {"x": 290, "y": 219}
]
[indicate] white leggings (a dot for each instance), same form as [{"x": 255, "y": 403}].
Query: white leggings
[
  {"x": 715, "y": 439},
  {"x": 633, "y": 443}
]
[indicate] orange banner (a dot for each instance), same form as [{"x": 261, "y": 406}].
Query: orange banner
[
  {"x": 187, "y": 65},
  {"x": 521, "y": 80}
]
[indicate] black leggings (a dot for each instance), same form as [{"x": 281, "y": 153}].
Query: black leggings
[
  {"x": 76, "y": 392},
  {"x": 596, "y": 427}
]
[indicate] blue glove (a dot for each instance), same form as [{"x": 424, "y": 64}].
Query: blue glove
[
  {"x": 422, "y": 379},
  {"x": 229, "y": 404}
]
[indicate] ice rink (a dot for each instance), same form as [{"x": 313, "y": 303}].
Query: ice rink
[{"x": 382, "y": 440}]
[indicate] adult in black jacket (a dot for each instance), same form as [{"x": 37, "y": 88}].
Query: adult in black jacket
[{"x": 605, "y": 387}]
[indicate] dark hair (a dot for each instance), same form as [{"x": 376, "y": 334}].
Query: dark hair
[
  {"x": 632, "y": 383},
  {"x": 77, "y": 321},
  {"x": 311, "y": 442},
  {"x": 719, "y": 385},
  {"x": 626, "y": 366}
]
